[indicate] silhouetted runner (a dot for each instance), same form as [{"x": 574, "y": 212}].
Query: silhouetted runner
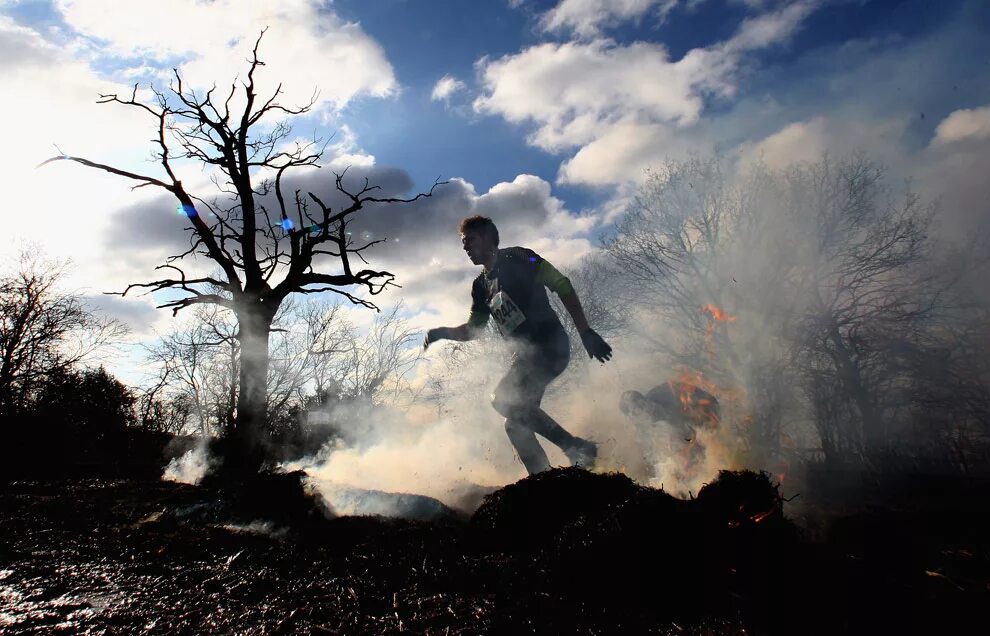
[{"x": 510, "y": 290}]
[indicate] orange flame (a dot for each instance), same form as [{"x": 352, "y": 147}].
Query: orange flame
[
  {"x": 698, "y": 408},
  {"x": 717, "y": 314}
]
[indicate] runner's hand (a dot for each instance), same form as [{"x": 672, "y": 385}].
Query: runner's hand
[
  {"x": 433, "y": 335},
  {"x": 596, "y": 347}
]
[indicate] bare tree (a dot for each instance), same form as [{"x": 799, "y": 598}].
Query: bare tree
[
  {"x": 677, "y": 257},
  {"x": 43, "y": 330},
  {"x": 198, "y": 369},
  {"x": 375, "y": 364},
  {"x": 846, "y": 318},
  {"x": 867, "y": 284},
  {"x": 318, "y": 358},
  {"x": 253, "y": 243}
]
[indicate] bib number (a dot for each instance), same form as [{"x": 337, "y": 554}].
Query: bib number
[{"x": 506, "y": 313}]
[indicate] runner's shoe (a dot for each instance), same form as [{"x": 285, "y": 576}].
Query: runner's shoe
[{"x": 582, "y": 454}]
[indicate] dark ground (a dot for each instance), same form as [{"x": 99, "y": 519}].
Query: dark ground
[{"x": 564, "y": 552}]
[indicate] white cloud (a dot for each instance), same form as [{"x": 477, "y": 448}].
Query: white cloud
[
  {"x": 586, "y": 18},
  {"x": 616, "y": 103},
  {"x": 770, "y": 28},
  {"x": 305, "y": 48},
  {"x": 49, "y": 98},
  {"x": 964, "y": 124},
  {"x": 573, "y": 90},
  {"x": 797, "y": 142},
  {"x": 621, "y": 153},
  {"x": 445, "y": 87}
]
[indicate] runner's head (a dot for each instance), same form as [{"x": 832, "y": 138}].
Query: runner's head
[{"x": 479, "y": 236}]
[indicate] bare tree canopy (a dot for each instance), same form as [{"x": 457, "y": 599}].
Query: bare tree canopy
[
  {"x": 816, "y": 294},
  {"x": 264, "y": 251}
]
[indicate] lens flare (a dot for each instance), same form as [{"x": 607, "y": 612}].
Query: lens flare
[
  {"x": 186, "y": 209},
  {"x": 287, "y": 224}
]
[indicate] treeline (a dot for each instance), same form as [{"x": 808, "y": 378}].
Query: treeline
[{"x": 60, "y": 414}]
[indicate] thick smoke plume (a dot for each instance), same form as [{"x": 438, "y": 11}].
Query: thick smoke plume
[{"x": 817, "y": 304}]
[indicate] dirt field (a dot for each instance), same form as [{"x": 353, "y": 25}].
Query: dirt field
[{"x": 565, "y": 552}]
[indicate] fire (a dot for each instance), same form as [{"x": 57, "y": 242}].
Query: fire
[
  {"x": 717, "y": 316},
  {"x": 694, "y": 403}
]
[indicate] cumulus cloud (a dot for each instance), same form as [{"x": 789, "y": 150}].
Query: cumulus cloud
[
  {"x": 445, "y": 88},
  {"x": 964, "y": 124},
  {"x": 138, "y": 314},
  {"x": 796, "y": 142},
  {"x": 586, "y": 18},
  {"x": 305, "y": 48},
  {"x": 592, "y": 95},
  {"x": 571, "y": 91},
  {"x": 49, "y": 100}
]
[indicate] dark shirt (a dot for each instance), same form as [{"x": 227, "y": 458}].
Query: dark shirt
[{"x": 513, "y": 294}]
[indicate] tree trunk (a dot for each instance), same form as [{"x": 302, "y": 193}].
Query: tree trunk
[
  {"x": 251, "y": 435},
  {"x": 852, "y": 381}
]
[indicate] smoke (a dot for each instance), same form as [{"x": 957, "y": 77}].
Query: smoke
[
  {"x": 450, "y": 444},
  {"x": 451, "y": 454},
  {"x": 192, "y": 466},
  {"x": 657, "y": 454},
  {"x": 790, "y": 295}
]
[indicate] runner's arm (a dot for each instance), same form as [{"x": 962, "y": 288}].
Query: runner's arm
[
  {"x": 572, "y": 304},
  {"x": 556, "y": 282},
  {"x": 596, "y": 347},
  {"x": 460, "y": 333},
  {"x": 470, "y": 330}
]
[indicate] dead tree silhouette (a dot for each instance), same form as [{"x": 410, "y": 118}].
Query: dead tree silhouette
[{"x": 241, "y": 235}]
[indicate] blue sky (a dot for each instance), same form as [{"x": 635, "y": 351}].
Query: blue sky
[
  {"x": 558, "y": 108},
  {"x": 424, "y": 44}
]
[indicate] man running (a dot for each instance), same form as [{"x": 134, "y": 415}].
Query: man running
[{"x": 510, "y": 290}]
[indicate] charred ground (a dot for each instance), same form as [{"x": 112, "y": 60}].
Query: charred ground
[{"x": 565, "y": 551}]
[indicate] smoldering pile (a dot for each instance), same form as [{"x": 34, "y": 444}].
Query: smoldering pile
[{"x": 610, "y": 542}]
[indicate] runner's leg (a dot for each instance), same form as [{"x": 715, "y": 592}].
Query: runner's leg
[{"x": 514, "y": 398}]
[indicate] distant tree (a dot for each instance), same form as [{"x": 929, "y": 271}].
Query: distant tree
[
  {"x": 163, "y": 412},
  {"x": 317, "y": 358},
  {"x": 44, "y": 331},
  {"x": 866, "y": 278},
  {"x": 265, "y": 251}
]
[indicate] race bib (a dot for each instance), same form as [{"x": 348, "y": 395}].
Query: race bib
[{"x": 506, "y": 313}]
